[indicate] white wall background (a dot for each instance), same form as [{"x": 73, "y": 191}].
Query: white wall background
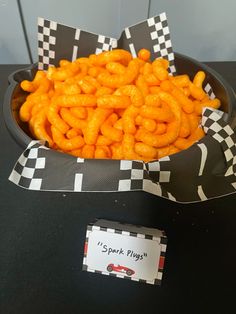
[
  {"x": 107, "y": 17},
  {"x": 203, "y": 29},
  {"x": 12, "y": 43}
]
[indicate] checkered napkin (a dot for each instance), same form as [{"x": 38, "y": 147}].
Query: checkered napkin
[
  {"x": 57, "y": 41},
  {"x": 212, "y": 159}
]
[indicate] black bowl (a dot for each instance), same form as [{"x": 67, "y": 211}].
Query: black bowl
[{"x": 15, "y": 96}]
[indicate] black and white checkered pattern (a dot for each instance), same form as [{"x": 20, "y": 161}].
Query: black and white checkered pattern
[
  {"x": 25, "y": 171},
  {"x": 105, "y": 44},
  {"x": 162, "y": 241},
  {"x": 57, "y": 41},
  {"x": 46, "y": 43},
  {"x": 135, "y": 174},
  {"x": 208, "y": 89},
  {"x": 223, "y": 133},
  {"x": 160, "y": 36}
]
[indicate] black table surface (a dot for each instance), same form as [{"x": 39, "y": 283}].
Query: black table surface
[{"x": 42, "y": 240}]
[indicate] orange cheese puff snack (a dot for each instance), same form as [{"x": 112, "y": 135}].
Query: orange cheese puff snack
[
  {"x": 76, "y": 152},
  {"x": 55, "y": 119},
  {"x": 44, "y": 86},
  {"x": 153, "y": 100},
  {"x": 128, "y": 119},
  {"x": 39, "y": 127},
  {"x": 184, "y": 143},
  {"x": 116, "y": 55},
  {"x": 194, "y": 121},
  {"x": 117, "y": 80},
  {"x": 120, "y": 112},
  {"x": 28, "y": 86},
  {"x": 117, "y": 151},
  {"x": 172, "y": 103},
  {"x": 144, "y": 54},
  {"x": 113, "y": 101},
  {"x": 142, "y": 85},
  {"x": 163, "y": 151},
  {"x": 73, "y": 133},
  {"x": 213, "y": 103},
  {"x": 50, "y": 71},
  {"x": 151, "y": 79},
  {"x": 182, "y": 80},
  {"x": 95, "y": 71},
  {"x": 70, "y": 89},
  {"x": 161, "y": 128},
  {"x": 160, "y": 114},
  {"x": 93, "y": 126},
  {"x": 71, "y": 120},
  {"x": 138, "y": 120},
  {"x": 197, "y": 134},
  {"x": 64, "y": 63},
  {"x": 186, "y": 91},
  {"x": 134, "y": 93},
  {"x": 86, "y": 87},
  {"x": 88, "y": 151},
  {"x": 185, "y": 129},
  {"x": 102, "y": 152},
  {"x": 186, "y": 103},
  {"x": 32, "y": 86},
  {"x": 167, "y": 150},
  {"x": 103, "y": 141},
  {"x": 118, "y": 124},
  {"x": 84, "y": 68},
  {"x": 93, "y": 81},
  {"x": 161, "y": 140},
  {"x": 75, "y": 100},
  {"x": 83, "y": 60},
  {"x": 115, "y": 68},
  {"x": 25, "y": 110},
  {"x": 199, "y": 78},
  {"x": 154, "y": 89},
  {"x": 109, "y": 131},
  {"x": 147, "y": 68},
  {"x": 104, "y": 91},
  {"x": 39, "y": 106},
  {"x": 159, "y": 70},
  {"x": 64, "y": 143},
  {"x": 149, "y": 124},
  {"x": 167, "y": 86},
  {"x": 128, "y": 147},
  {"x": 145, "y": 150},
  {"x": 79, "y": 112},
  {"x": 61, "y": 74},
  {"x": 196, "y": 92}
]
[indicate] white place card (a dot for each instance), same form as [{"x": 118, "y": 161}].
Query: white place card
[{"x": 125, "y": 251}]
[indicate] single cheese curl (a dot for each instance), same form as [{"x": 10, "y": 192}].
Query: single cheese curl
[
  {"x": 64, "y": 143},
  {"x": 93, "y": 126}
]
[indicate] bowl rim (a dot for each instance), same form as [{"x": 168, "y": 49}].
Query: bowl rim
[{"x": 23, "y": 139}]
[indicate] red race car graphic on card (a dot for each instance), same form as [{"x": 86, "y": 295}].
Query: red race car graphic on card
[{"x": 120, "y": 269}]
